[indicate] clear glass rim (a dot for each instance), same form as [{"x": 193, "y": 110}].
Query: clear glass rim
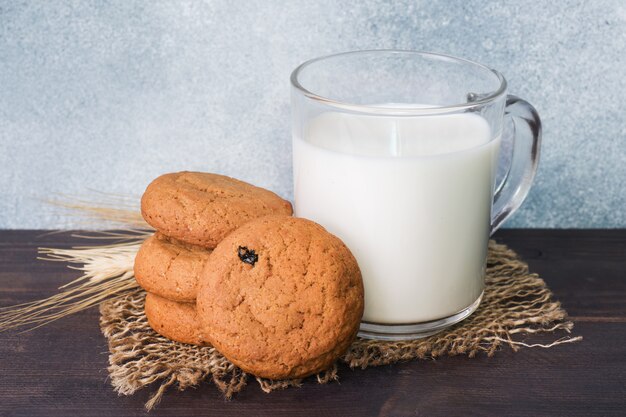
[{"x": 403, "y": 111}]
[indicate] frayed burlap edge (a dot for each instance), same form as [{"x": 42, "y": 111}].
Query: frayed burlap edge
[{"x": 515, "y": 302}]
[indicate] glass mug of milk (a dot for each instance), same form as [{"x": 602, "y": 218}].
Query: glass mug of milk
[{"x": 396, "y": 152}]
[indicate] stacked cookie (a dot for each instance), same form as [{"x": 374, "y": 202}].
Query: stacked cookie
[{"x": 228, "y": 266}]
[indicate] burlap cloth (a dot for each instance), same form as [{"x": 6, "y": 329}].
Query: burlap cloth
[{"x": 515, "y": 302}]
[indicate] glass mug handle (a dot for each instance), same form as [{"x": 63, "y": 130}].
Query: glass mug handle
[{"x": 527, "y": 137}]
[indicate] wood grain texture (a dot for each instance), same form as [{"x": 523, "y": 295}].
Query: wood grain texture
[{"x": 60, "y": 369}]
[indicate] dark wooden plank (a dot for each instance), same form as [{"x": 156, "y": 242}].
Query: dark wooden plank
[
  {"x": 586, "y": 269},
  {"x": 60, "y": 369}
]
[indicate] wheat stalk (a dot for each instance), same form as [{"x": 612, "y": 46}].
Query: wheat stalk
[
  {"x": 112, "y": 209},
  {"x": 107, "y": 270}
]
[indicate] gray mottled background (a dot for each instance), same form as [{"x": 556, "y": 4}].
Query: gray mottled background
[{"x": 106, "y": 96}]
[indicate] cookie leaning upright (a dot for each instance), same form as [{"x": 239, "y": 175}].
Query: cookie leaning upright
[
  {"x": 281, "y": 297},
  {"x": 202, "y": 208}
]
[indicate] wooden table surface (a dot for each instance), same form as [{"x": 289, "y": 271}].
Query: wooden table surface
[{"x": 60, "y": 369}]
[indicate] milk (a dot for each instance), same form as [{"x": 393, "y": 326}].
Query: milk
[{"x": 411, "y": 197}]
